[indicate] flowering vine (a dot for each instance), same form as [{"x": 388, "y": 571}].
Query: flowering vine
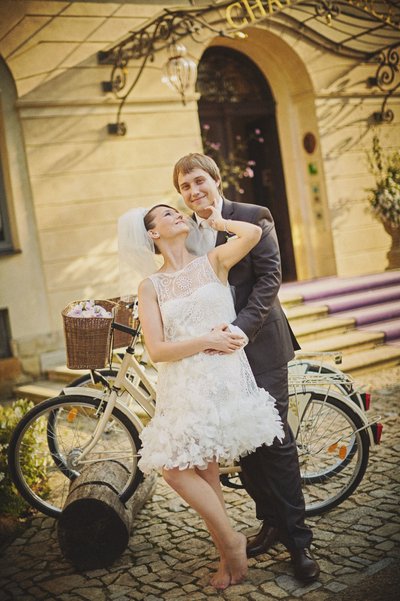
[{"x": 235, "y": 167}]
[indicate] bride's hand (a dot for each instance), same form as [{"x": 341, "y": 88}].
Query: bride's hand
[{"x": 215, "y": 219}]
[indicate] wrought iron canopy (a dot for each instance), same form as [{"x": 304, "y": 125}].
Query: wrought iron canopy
[{"x": 366, "y": 30}]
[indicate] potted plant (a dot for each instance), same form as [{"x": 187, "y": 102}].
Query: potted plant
[{"x": 384, "y": 197}]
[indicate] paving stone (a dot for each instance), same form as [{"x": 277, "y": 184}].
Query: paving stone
[
  {"x": 272, "y": 589},
  {"x": 335, "y": 586},
  {"x": 170, "y": 556},
  {"x": 63, "y": 584},
  {"x": 376, "y": 567},
  {"x": 92, "y": 594},
  {"x": 386, "y": 546},
  {"x": 306, "y": 590},
  {"x": 288, "y": 583}
]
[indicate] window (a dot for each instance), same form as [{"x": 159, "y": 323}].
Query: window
[
  {"x": 5, "y": 233},
  {"x": 5, "y": 335}
]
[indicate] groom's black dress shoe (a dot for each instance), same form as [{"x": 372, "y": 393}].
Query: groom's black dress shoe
[
  {"x": 305, "y": 566},
  {"x": 262, "y": 541}
]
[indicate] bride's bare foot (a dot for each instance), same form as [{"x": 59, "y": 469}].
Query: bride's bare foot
[
  {"x": 222, "y": 578},
  {"x": 237, "y": 559}
]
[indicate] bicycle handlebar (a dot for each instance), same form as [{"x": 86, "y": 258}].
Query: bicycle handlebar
[{"x": 122, "y": 328}]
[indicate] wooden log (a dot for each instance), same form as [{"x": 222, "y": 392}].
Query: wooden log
[{"x": 94, "y": 526}]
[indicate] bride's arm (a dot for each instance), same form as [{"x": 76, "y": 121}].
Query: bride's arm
[
  {"x": 225, "y": 256},
  {"x": 161, "y": 350}
]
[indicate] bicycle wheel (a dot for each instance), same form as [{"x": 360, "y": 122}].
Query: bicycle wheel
[
  {"x": 57, "y": 429},
  {"x": 333, "y": 452}
]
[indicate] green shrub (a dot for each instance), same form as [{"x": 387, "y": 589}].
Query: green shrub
[{"x": 11, "y": 503}]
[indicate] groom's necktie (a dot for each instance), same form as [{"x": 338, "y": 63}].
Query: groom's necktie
[{"x": 208, "y": 236}]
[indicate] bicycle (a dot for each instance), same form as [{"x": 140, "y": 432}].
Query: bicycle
[{"x": 85, "y": 425}]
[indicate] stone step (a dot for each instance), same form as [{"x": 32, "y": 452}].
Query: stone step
[
  {"x": 390, "y": 328},
  {"x": 373, "y": 313},
  {"x": 321, "y": 328},
  {"x": 63, "y": 374},
  {"x": 289, "y": 299},
  {"x": 305, "y": 312},
  {"x": 372, "y": 359},
  {"x": 348, "y": 302},
  {"x": 38, "y": 391},
  {"x": 347, "y": 343}
]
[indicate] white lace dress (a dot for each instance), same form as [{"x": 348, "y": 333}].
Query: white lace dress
[{"x": 208, "y": 406}]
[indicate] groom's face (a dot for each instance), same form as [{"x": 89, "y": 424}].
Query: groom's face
[{"x": 199, "y": 190}]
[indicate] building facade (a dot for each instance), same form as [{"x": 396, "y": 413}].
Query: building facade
[{"x": 297, "y": 81}]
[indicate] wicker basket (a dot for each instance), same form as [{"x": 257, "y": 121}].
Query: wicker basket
[
  {"x": 123, "y": 315},
  {"x": 88, "y": 338}
]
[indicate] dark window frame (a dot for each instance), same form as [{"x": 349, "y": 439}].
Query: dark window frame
[{"x": 6, "y": 241}]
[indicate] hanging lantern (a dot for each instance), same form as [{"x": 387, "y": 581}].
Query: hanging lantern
[{"x": 179, "y": 72}]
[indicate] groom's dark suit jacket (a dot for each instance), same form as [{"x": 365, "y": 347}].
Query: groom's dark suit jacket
[{"x": 256, "y": 280}]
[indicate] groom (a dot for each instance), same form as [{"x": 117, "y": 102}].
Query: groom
[{"x": 271, "y": 474}]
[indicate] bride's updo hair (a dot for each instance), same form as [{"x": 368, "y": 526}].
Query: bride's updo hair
[
  {"x": 196, "y": 160},
  {"x": 149, "y": 221}
]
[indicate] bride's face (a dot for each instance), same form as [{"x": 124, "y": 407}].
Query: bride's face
[{"x": 168, "y": 223}]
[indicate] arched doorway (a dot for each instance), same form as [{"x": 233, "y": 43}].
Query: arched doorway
[{"x": 237, "y": 118}]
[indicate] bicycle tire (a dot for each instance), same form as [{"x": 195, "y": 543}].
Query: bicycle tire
[
  {"x": 330, "y": 471},
  {"x": 71, "y": 419}
]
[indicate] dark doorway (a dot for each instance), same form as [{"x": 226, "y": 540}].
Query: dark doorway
[{"x": 237, "y": 118}]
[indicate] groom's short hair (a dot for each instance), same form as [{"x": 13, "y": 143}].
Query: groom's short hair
[{"x": 196, "y": 160}]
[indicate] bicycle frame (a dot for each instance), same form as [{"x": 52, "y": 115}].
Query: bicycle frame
[{"x": 131, "y": 374}]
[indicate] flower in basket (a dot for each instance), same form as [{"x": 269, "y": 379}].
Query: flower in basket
[
  {"x": 88, "y": 308},
  {"x": 384, "y": 197}
]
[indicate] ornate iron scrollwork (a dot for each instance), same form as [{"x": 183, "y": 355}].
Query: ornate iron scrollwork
[
  {"x": 328, "y": 9},
  {"x": 387, "y": 79},
  {"x": 142, "y": 45}
]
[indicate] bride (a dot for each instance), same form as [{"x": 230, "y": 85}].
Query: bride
[{"x": 209, "y": 408}]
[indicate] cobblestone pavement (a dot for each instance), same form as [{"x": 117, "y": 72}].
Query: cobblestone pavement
[{"x": 170, "y": 556}]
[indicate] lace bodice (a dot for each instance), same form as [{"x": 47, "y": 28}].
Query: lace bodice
[{"x": 192, "y": 300}]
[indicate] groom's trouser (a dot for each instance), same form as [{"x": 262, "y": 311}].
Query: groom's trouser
[{"x": 271, "y": 474}]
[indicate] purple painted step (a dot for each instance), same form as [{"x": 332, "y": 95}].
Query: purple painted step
[
  {"x": 390, "y": 328},
  {"x": 333, "y": 286},
  {"x": 360, "y": 299},
  {"x": 373, "y": 314}
]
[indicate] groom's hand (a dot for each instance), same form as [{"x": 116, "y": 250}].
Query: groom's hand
[{"x": 225, "y": 327}]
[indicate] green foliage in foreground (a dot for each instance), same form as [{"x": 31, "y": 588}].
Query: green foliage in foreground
[{"x": 11, "y": 503}]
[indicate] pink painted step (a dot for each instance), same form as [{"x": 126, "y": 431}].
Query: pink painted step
[
  {"x": 372, "y": 314},
  {"x": 347, "y": 302},
  {"x": 334, "y": 286},
  {"x": 391, "y": 329}
]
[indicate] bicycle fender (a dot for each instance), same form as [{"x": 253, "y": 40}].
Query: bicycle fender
[
  {"x": 139, "y": 425},
  {"x": 92, "y": 392}
]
